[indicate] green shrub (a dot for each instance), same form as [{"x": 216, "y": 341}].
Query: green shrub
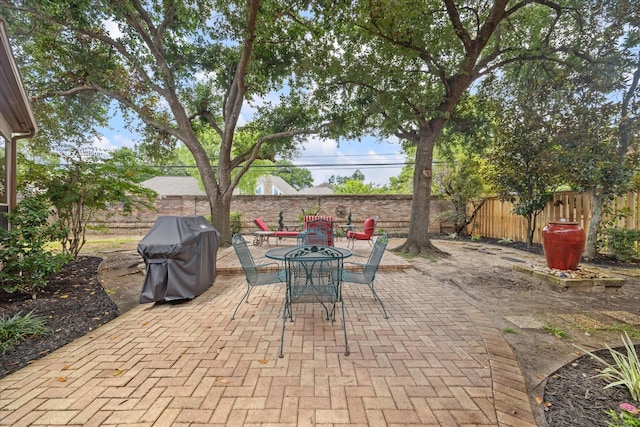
[
  {"x": 623, "y": 244},
  {"x": 25, "y": 261},
  {"x": 15, "y": 329},
  {"x": 236, "y": 223},
  {"x": 87, "y": 185}
]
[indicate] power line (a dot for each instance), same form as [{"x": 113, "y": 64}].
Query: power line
[
  {"x": 352, "y": 155},
  {"x": 309, "y": 166}
]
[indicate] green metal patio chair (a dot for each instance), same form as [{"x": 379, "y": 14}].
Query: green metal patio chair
[
  {"x": 366, "y": 273},
  {"x": 255, "y": 274},
  {"x": 314, "y": 275}
]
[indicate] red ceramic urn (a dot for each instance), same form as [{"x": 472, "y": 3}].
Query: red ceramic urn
[{"x": 563, "y": 244}]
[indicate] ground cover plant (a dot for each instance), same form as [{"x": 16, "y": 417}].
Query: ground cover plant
[
  {"x": 624, "y": 370},
  {"x": 71, "y": 305},
  {"x": 19, "y": 327}
]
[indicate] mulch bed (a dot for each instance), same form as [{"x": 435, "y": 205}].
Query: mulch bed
[
  {"x": 73, "y": 304},
  {"x": 575, "y": 398}
]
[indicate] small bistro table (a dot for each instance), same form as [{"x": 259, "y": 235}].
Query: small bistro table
[{"x": 279, "y": 253}]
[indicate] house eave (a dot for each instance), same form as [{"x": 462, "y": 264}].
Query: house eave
[{"x": 15, "y": 109}]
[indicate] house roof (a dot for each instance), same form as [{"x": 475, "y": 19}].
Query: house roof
[
  {"x": 270, "y": 181},
  {"x": 16, "y": 117},
  {"x": 323, "y": 188},
  {"x": 174, "y": 186},
  {"x": 189, "y": 186},
  {"x": 320, "y": 189}
]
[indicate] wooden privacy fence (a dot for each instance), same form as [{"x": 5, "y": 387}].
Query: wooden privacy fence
[{"x": 496, "y": 218}]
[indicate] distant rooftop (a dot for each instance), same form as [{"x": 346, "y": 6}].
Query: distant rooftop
[
  {"x": 274, "y": 185},
  {"x": 188, "y": 186},
  {"x": 174, "y": 186},
  {"x": 323, "y": 188}
]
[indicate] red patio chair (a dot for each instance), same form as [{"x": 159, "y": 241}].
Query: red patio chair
[{"x": 368, "y": 228}]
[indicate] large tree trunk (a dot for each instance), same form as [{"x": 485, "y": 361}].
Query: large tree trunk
[
  {"x": 597, "y": 206},
  {"x": 221, "y": 218},
  {"x": 219, "y": 192},
  {"x": 418, "y": 237}
]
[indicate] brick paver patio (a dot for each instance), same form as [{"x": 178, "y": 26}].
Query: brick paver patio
[{"x": 437, "y": 361}]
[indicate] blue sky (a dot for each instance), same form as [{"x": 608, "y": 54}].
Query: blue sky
[
  {"x": 328, "y": 157},
  {"x": 372, "y": 158}
]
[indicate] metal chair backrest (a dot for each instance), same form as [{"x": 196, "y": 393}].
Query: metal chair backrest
[
  {"x": 376, "y": 256},
  {"x": 246, "y": 260},
  {"x": 310, "y": 218},
  {"x": 312, "y": 236},
  {"x": 315, "y": 272}
]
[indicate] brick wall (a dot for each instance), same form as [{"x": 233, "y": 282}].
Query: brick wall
[{"x": 393, "y": 211}]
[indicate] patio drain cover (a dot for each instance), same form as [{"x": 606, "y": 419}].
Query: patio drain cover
[{"x": 525, "y": 322}]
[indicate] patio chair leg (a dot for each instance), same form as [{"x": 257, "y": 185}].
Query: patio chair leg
[
  {"x": 344, "y": 327},
  {"x": 284, "y": 322},
  {"x": 326, "y": 310},
  {"x": 245, "y": 298},
  {"x": 377, "y": 298}
]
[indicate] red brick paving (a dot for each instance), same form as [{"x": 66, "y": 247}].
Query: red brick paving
[{"x": 437, "y": 361}]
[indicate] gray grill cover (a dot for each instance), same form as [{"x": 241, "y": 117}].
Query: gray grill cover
[{"x": 180, "y": 257}]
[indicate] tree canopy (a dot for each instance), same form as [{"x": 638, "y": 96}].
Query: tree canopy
[
  {"x": 236, "y": 82},
  {"x": 402, "y": 67},
  {"x": 178, "y": 68},
  {"x": 585, "y": 105}
]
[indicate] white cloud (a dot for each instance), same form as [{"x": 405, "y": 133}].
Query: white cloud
[
  {"x": 114, "y": 142},
  {"x": 371, "y": 158},
  {"x": 103, "y": 143},
  {"x": 123, "y": 141},
  {"x": 112, "y": 29},
  {"x": 316, "y": 146}
]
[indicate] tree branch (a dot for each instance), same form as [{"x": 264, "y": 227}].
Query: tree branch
[
  {"x": 248, "y": 157},
  {"x": 461, "y": 32},
  {"x": 210, "y": 120},
  {"x": 428, "y": 59},
  {"x": 234, "y": 97}
]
